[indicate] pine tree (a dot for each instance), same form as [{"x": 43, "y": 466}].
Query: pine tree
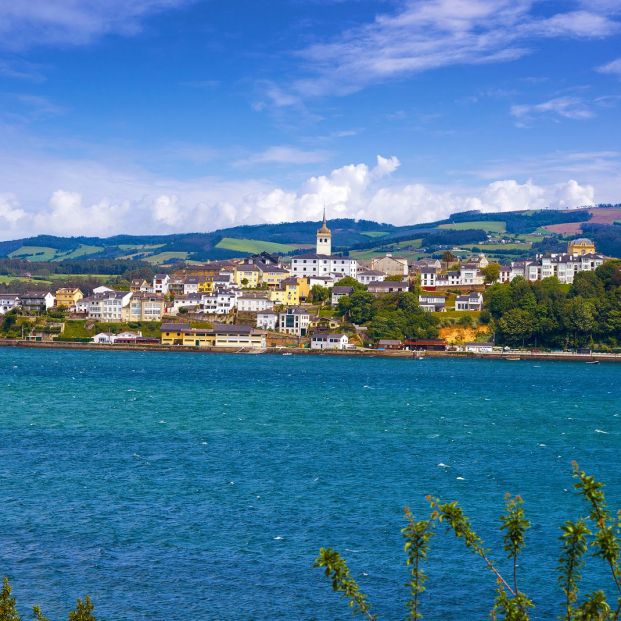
[{"x": 83, "y": 611}]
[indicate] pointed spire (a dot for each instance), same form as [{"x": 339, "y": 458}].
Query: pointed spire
[{"x": 324, "y": 230}]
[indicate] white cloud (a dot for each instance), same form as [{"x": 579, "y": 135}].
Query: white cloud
[
  {"x": 72, "y": 22},
  {"x": 422, "y": 36},
  {"x": 565, "y": 107},
  {"x": 613, "y": 68},
  {"x": 98, "y": 200},
  {"x": 283, "y": 154}
]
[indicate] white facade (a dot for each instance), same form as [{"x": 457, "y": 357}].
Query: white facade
[
  {"x": 108, "y": 306},
  {"x": 470, "y": 302},
  {"x": 294, "y": 321},
  {"x": 562, "y": 266},
  {"x": 8, "y": 301},
  {"x": 254, "y": 304},
  {"x": 329, "y": 341},
  {"x": 368, "y": 276},
  {"x": 160, "y": 283},
  {"x": 267, "y": 320},
  {"x": 309, "y": 265},
  {"x": 220, "y": 302}
]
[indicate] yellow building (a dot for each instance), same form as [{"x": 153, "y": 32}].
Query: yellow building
[
  {"x": 173, "y": 333},
  {"x": 247, "y": 276},
  {"x": 199, "y": 338},
  {"x": 205, "y": 285},
  {"x": 68, "y": 298},
  {"x": 273, "y": 275},
  {"x": 581, "y": 246}
]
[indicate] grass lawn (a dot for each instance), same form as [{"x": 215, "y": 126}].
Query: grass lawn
[
  {"x": 7, "y": 279},
  {"x": 374, "y": 233},
  {"x": 34, "y": 253},
  {"x": 82, "y": 250},
  {"x": 494, "y": 226},
  {"x": 410, "y": 243},
  {"x": 252, "y": 246},
  {"x": 163, "y": 257}
]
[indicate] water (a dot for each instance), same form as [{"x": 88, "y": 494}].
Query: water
[{"x": 189, "y": 486}]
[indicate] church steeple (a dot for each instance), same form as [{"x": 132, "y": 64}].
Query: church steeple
[{"x": 324, "y": 237}]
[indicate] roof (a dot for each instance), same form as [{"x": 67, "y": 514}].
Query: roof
[
  {"x": 160, "y": 276},
  {"x": 332, "y": 257},
  {"x": 387, "y": 284},
  {"x": 326, "y": 336},
  {"x": 344, "y": 290},
  {"x": 324, "y": 230},
  {"x": 473, "y": 295},
  {"x": 175, "y": 327},
  {"x": 389, "y": 342},
  {"x": 295, "y": 310},
  {"x": 479, "y": 344},
  {"x": 366, "y": 272},
  {"x": 581, "y": 241}
]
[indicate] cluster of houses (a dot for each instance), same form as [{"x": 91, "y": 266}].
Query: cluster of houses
[{"x": 266, "y": 294}]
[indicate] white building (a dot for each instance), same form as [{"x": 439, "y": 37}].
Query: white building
[
  {"x": 109, "y": 306},
  {"x": 8, "y": 301},
  {"x": 323, "y": 262},
  {"x": 254, "y": 303},
  {"x": 366, "y": 276},
  {"x": 340, "y": 292},
  {"x": 160, "y": 283},
  {"x": 220, "y": 302},
  {"x": 473, "y": 301},
  {"x": 267, "y": 320},
  {"x": 294, "y": 320},
  {"x": 388, "y": 286},
  {"x": 432, "y": 303},
  {"x": 395, "y": 266},
  {"x": 480, "y": 348},
  {"x": 562, "y": 266},
  {"x": 329, "y": 341}
]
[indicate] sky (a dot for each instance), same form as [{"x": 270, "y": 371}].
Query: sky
[{"x": 163, "y": 116}]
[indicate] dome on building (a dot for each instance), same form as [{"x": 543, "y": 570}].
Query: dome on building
[
  {"x": 582, "y": 241},
  {"x": 324, "y": 230}
]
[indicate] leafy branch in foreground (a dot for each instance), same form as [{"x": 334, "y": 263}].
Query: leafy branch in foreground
[
  {"x": 599, "y": 531},
  {"x": 8, "y": 610}
]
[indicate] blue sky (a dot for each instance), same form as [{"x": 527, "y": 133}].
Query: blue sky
[{"x": 146, "y": 116}]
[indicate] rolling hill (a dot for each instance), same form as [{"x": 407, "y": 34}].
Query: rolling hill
[{"x": 501, "y": 235}]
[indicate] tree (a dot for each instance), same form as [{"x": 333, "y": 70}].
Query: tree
[
  {"x": 598, "y": 531},
  {"x": 319, "y": 294},
  {"x": 83, "y": 611},
  {"x": 358, "y": 307},
  {"x": 8, "y": 611},
  {"x": 517, "y": 326},
  {"x": 491, "y": 273},
  {"x": 447, "y": 258}
]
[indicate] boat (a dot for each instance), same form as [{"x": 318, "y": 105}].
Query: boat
[
  {"x": 287, "y": 353},
  {"x": 512, "y": 358},
  {"x": 593, "y": 362}
]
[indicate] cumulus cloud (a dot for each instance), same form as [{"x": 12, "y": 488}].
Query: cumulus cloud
[{"x": 130, "y": 203}]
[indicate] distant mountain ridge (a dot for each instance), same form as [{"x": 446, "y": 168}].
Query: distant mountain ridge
[{"x": 603, "y": 223}]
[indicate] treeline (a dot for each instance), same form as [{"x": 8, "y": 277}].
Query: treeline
[
  {"x": 548, "y": 314},
  {"x": 607, "y": 238},
  {"x": 390, "y": 316},
  {"x": 43, "y": 269}
]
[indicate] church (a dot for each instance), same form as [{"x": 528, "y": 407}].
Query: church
[{"x": 323, "y": 262}]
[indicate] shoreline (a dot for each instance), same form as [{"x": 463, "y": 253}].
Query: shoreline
[{"x": 510, "y": 356}]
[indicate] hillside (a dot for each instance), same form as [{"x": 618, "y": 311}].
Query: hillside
[{"x": 504, "y": 236}]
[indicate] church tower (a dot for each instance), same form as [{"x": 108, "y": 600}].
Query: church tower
[{"x": 324, "y": 238}]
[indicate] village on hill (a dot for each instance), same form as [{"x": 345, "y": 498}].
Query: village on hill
[{"x": 319, "y": 300}]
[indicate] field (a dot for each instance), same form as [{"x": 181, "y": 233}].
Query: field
[
  {"x": 164, "y": 257},
  {"x": 253, "y": 246},
  {"x": 492, "y": 247},
  {"x": 34, "y": 253},
  {"x": 491, "y": 227},
  {"x": 374, "y": 233}
]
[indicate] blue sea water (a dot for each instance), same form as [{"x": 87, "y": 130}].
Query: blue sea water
[{"x": 189, "y": 486}]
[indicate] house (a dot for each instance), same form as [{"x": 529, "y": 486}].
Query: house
[
  {"x": 580, "y": 246},
  {"x": 127, "y": 337},
  {"x": 104, "y": 338},
  {"x": 394, "y": 266},
  {"x": 190, "y": 285},
  {"x": 294, "y": 321},
  {"x": 329, "y": 341},
  {"x": 432, "y": 303},
  {"x": 144, "y": 306},
  {"x": 469, "y": 274},
  {"x": 480, "y": 348},
  {"x": 366, "y": 276},
  {"x": 322, "y": 281},
  {"x": 426, "y": 344},
  {"x": 428, "y": 276},
  {"x": 267, "y": 320},
  {"x": 254, "y": 302},
  {"x": 220, "y": 302},
  {"x": 36, "y": 302},
  {"x": 340, "y": 292},
  {"x": 270, "y": 274},
  {"x": 389, "y": 344},
  {"x": 247, "y": 276},
  {"x": 388, "y": 286},
  {"x": 172, "y": 333},
  {"x": 472, "y": 301},
  {"x": 68, "y": 297},
  {"x": 231, "y": 336},
  {"x": 108, "y": 307},
  {"x": 190, "y": 301},
  {"x": 8, "y": 301},
  {"x": 160, "y": 283},
  {"x": 139, "y": 284}
]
